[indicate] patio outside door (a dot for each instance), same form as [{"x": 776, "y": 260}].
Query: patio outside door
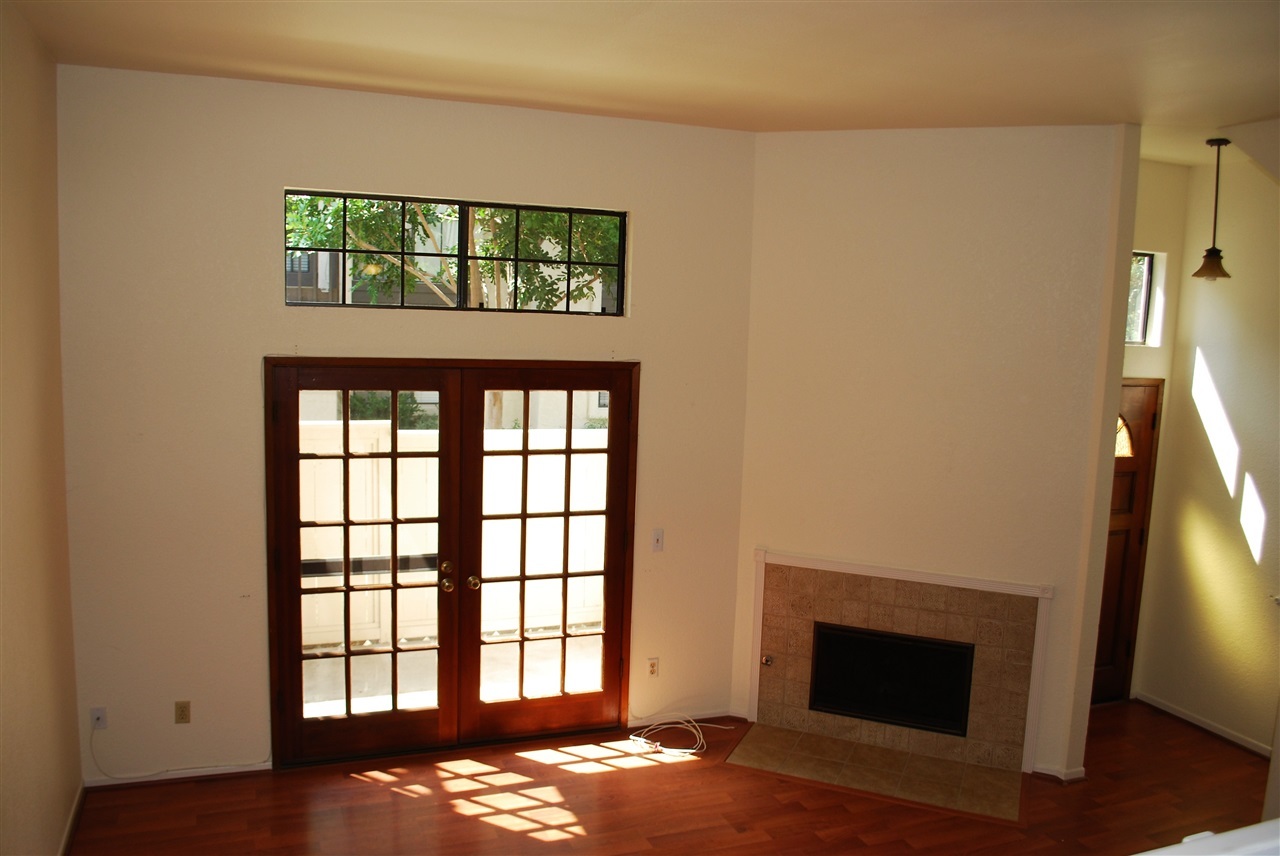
[{"x": 449, "y": 554}]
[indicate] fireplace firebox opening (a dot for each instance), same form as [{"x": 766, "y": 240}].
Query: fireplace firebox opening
[{"x": 895, "y": 678}]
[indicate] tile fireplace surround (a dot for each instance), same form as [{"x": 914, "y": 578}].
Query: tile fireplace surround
[{"x": 1006, "y": 622}]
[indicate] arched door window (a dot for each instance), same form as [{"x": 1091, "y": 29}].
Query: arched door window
[{"x": 1124, "y": 439}]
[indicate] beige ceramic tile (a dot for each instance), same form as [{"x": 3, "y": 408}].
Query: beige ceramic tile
[
  {"x": 905, "y": 620},
  {"x": 934, "y": 770},
  {"x": 869, "y": 779},
  {"x": 883, "y": 590},
  {"x": 824, "y": 747},
  {"x": 855, "y": 613},
  {"x": 945, "y": 794},
  {"x": 878, "y": 757},
  {"x": 857, "y": 587},
  {"x": 808, "y": 767}
]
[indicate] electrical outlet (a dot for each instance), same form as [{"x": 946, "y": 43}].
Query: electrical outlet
[
  {"x": 98, "y": 718},
  {"x": 653, "y": 667},
  {"x": 658, "y": 541},
  {"x": 182, "y": 712}
]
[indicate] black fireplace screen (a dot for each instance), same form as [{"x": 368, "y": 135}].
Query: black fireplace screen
[{"x": 891, "y": 677}]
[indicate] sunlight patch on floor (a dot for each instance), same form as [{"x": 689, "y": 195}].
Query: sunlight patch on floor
[{"x": 515, "y": 801}]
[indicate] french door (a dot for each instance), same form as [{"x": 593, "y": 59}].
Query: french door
[{"x": 449, "y": 551}]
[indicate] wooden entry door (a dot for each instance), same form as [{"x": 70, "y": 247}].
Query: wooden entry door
[
  {"x": 1137, "y": 429},
  {"x": 448, "y": 551}
]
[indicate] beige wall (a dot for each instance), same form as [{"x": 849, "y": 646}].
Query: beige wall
[
  {"x": 171, "y": 194},
  {"x": 933, "y": 347},
  {"x": 1160, "y": 228},
  {"x": 40, "y": 782},
  {"x": 1208, "y": 633}
]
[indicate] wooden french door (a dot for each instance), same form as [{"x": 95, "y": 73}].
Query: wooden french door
[
  {"x": 1137, "y": 430},
  {"x": 448, "y": 549}
]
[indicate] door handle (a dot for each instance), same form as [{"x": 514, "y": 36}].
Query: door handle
[
  {"x": 446, "y": 585},
  {"x": 473, "y": 583}
]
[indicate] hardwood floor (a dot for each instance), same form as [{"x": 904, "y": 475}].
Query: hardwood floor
[{"x": 1153, "y": 779}]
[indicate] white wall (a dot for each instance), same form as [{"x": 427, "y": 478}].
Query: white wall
[
  {"x": 171, "y": 228},
  {"x": 934, "y": 368},
  {"x": 1209, "y": 632},
  {"x": 41, "y": 779}
]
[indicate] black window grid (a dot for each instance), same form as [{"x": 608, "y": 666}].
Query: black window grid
[{"x": 463, "y": 255}]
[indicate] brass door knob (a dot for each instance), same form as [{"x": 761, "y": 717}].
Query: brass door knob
[
  {"x": 473, "y": 583},
  {"x": 446, "y": 584}
]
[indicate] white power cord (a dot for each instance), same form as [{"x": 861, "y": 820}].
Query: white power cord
[
  {"x": 93, "y": 752},
  {"x": 642, "y": 737}
]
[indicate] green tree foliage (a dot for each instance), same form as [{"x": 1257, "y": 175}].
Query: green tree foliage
[
  {"x": 368, "y": 404},
  {"x": 518, "y": 258}
]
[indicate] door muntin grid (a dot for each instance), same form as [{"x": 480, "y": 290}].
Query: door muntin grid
[
  {"x": 368, "y": 537},
  {"x": 543, "y": 504}
]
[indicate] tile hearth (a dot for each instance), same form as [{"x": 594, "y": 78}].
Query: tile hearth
[{"x": 881, "y": 770}]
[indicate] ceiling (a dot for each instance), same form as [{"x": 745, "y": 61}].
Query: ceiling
[{"x": 1181, "y": 69}]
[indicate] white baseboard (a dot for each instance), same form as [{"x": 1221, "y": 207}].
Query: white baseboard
[
  {"x": 1223, "y": 732},
  {"x": 1075, "y": 774},
  {"x": 188, "y": 773},
  {"x": 72, "y": 820},
  {"x": 641, "y": 722}
]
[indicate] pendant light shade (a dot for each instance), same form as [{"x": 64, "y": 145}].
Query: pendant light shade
[{"x": 1212, "y": 267}]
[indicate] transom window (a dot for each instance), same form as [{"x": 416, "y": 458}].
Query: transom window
[{"x": 386, "y": 251}]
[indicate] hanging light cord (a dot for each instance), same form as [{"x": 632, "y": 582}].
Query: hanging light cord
[{"x": 1217, "y": 143}]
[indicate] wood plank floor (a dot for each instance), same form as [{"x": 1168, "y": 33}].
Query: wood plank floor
[{"x": 1153, "y": 779}]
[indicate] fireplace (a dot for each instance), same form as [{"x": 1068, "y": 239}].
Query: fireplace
[
  {"x": 1002, "y": 623},
  {"x": 895, "y": 678}
]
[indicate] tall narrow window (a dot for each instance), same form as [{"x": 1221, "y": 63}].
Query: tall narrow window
[{"x": 1135, "y": 330}]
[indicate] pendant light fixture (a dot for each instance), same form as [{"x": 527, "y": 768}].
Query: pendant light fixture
[{"x": 1212, "y": 267}]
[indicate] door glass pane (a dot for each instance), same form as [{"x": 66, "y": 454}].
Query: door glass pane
[
  {"x": 503, "y": 412},
  {"x": 543, "y": 607},
  {"x": 503, "y": 484},
  {"x": 590, "y": 419},
  {"x": 418, "y": 548},
  {"x": 548, "y": 418},
  {"x": 320, "y": 421},
  {"x": 586, "y": 604},
  {"x": 418, "y": 617},
  {"x": 583, "y": 661},
  {"x": 546, "y": 483},
  {"x": 323, "y": 623},
  {"x": 320, "y": 548},
  {"x": 370, "y": 488},
  {"x": 324, "y": 687},
  {"x": 371, "y": 683},
  {"x": 1124, "y": 439},
  {"x": 371, "y": 555},
  {"x": 370, "y": 428},
  {"x": 542, "y": 668},
  {"x": 417, "y": 487},
  {"x": 417, "y": 673},
  {"x": 320, "y": 491},
  {"x": 370, "y": 619},
  {"x": 586, "y": 543},
  {"x": 500, "y": 672},
  {"x": 418, "y": 429},
  {"x": 500, "y": 610},
  {"x": 587, "y": 482},
  {"x": 544, "y": 550},
  {"x": 500, "y": 548}
]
